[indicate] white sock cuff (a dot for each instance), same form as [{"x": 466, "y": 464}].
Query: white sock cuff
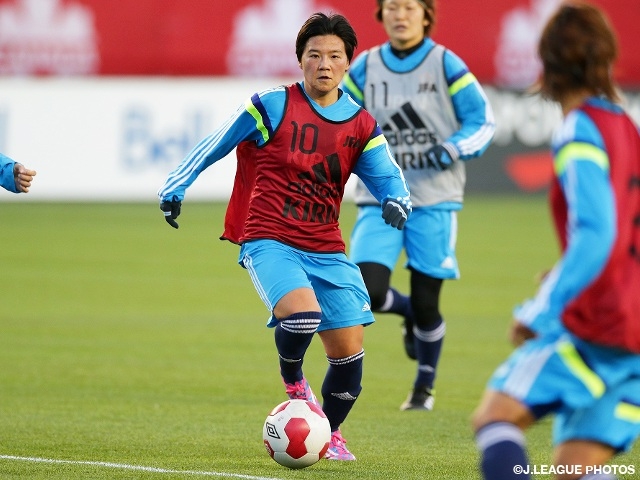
[
  {"x": 498, "y": 432},
  {"x": 430, "y": 335}
]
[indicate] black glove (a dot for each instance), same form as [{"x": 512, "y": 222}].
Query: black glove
[
  {"x": 171, "y": 211},
  {"x": 395, "y": 211},
  {"x": 439, "y": 157}
]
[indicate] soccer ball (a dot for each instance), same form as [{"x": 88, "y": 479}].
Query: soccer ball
[{"x": 296, "y": 433}]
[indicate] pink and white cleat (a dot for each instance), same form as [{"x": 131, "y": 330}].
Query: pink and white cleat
[{"x": 337, "y": 448}]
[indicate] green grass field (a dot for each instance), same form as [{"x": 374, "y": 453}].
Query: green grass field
[{"x": 129, "y": 350}]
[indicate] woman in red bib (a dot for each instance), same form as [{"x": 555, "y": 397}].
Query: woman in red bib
[{"x": 297, "y": 145}]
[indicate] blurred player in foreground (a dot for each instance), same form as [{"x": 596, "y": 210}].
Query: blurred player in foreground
[
  {"x": 579, "y": 338},
  {"x": 435, "y": 116},
  {"x": 14, "y": 176},
  {"x": 297, "y": 146}
]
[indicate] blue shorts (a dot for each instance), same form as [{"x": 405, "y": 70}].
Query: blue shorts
[
  {"x": 276, "y": 269},
  {"x": 594, "y": 391},
  {"x": 429, "y": 239}
]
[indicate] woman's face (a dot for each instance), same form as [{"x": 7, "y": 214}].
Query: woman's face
[
  {"x": 404, "y": 21},
  {"x": 324, "y": 62}
]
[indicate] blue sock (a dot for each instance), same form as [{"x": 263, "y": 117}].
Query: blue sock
[
  {"x": 502, "y": 448},
  {"x": 341, "y": 387},
  {"x": 396, "y": 303},
  {"x": 428, "y": 347},
  {"x": 293, "y": 336}
]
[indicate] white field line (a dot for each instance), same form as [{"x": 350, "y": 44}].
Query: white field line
[{"x": 124, "y": 466}]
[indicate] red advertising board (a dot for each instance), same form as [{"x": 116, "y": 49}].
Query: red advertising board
[{"x": 256, "y": 37}]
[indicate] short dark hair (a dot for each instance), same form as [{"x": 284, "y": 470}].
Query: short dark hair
[
  {"x": 577, "y": 49},
  {"x": 429, "y": 13},
  {"x": 333, "y": 24}
]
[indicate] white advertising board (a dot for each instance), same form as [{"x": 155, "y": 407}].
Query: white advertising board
[{"x": 116, "y": 139}]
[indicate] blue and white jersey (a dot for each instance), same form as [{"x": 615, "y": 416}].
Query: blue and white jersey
[
  {"x": 425, "y": 98},
  {"x": 257, "y": 120},
  {"x": 581, "y": 164}
]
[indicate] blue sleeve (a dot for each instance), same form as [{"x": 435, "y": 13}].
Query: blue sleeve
[
  {"x": 256, "y": 120},
  {"x": 472, "y": 108},
  {"x": 379, "y": 171},
  {"x": 353, "y": 81},
  {"x": 582, "y": 168},
  {"x": 7, "y": 179}
]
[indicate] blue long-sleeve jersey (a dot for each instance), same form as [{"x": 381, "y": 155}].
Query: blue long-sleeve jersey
[
  {"x": 470, "y": 104},
  {"x": 7, "y": 179},
  {"x": 258, "y": 119},
  {"x": 581, "y": 164}
]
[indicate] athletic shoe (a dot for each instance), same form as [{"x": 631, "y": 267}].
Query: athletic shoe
[
  {"x": 337, "y": 448},
  {"x": 301, "y": 391},
  {"x": 421, "y": 398},
  {"x": 408, "y": 338}
]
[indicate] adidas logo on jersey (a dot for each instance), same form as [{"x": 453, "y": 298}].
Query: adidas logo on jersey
[
  {"x": 410, "y": 138},
  {"x": 407, "y": 128},
  {"x": 323, "y": 180}
]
